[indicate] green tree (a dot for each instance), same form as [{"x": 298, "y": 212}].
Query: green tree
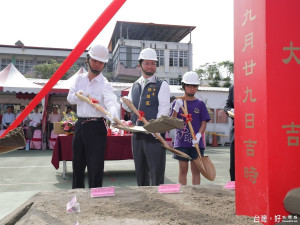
[
  {"x": 228, "y": 67},
  {"x": 109, "y": 76},
  {"x": 202, "y": 74},
  {"x": 227, "y": 82},
  {"x": 46, "y": 70},
  {"x": 179, "y": 79},
  {"x": 216, "y": 72}
]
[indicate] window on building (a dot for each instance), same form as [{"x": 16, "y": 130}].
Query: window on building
[
  {"x": 160, "y": 56},
  {"x": 28, "y": 65},
  {"x": 178, "y": 58},
  {"x": 20, "y": 65},
  {"x": 173, "y": 58},
  {"x": 212, "y": 115},
  {"x": 221, "y": 116},
  {"x": 173, "y": 81},
  {"x": 4, "y": 63},
  {"x": 41, "y": 62},
  {"x": 128, "y": 56}
]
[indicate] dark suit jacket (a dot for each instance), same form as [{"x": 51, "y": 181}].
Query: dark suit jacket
[{"x": 230, "y": 105}]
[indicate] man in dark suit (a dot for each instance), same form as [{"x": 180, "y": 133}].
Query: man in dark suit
[{"x": 229, "y": 109}]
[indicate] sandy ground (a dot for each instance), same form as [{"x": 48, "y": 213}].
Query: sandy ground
[{"x": 210, "y": 204}]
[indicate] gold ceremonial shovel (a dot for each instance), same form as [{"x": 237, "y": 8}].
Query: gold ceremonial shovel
[
  {"x": 120, "y": 125},
  {"x": 203, "y": 164},
  {"x": 99, "y": 107},
  {"x": 157, "y": 135},
  {"x": 13, "y": 140}
]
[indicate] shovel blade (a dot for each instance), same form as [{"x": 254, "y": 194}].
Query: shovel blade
[
  {"x": 4, "y": 149},
  {"x": 206, "y": 167},
  {"x": 12, "y": 141}
]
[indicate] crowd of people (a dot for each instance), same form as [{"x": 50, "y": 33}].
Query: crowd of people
[{"x": 33, "y": 121}]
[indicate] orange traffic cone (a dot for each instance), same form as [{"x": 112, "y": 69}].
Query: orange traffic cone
[{"x": 214, "y": 141}]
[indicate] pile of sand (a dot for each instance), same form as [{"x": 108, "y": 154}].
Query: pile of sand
[{"x": 209, "y": 204}]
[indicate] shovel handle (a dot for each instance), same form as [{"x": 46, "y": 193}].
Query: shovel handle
[
  {"x": 99, "y": 107},
  {"x": 133, "y": 109},
  {"x": 157, "y": 135},
  {"x": 184, "y": 109}
]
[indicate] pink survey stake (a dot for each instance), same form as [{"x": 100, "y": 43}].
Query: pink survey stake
[
  {"x": 102, "y": 192},
  {"x": 169, "y": 188}
]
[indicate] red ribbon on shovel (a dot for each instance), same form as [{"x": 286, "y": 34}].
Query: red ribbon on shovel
[
  {"x": 141, "y": 115},
  {"x": 188, "y": 117}
]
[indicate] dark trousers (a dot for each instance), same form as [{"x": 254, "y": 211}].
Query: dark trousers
[
  {"x": 31, "y": 131},
  {"x": 232, "y": 162},
  {"x": 149, "y": 159},
  {"x": 88, "y": 151}
]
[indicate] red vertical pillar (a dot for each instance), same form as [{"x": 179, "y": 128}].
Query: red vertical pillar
[{"x": 267, "y": 105}]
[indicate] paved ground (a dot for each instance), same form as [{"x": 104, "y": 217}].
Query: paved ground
[{"x": 24, "y": 173}]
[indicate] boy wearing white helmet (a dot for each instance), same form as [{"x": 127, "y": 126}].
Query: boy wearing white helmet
[
  {"x": 184, "y": 141},
  {"x": 152, "y": 96},
  {"x": 90, "y": 130}
]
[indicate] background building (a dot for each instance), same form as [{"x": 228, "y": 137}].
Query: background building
[
  {"x": 129, "y": 38},
  {"x": 25, "y": 57}
]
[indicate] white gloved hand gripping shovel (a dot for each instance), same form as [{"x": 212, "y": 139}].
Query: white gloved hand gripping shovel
[
  {"x": 157, "y": 135},
  {"x": 98, "y": 107}
]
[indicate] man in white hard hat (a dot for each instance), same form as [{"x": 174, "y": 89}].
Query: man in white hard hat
[
  {"x": 152, "y": 96},
  {"x": 90, "y": 130},
  {"x": 184, "y": 141}
]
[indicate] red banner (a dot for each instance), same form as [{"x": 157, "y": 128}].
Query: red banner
[{"x": 267, "y": 122}]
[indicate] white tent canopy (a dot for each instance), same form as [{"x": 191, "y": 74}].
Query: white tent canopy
[
  {"x": 11, "y": 80},
  {"x": 66, "y": 84}
]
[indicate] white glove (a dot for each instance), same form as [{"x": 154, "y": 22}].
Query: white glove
[
  {"x": 178, "y": 104},
  {"x": 232, "y": 110},
  {"x": 198, "y": 137},
  {"x": 113, "y": 114},
  {"x": 124, "y": 105}
]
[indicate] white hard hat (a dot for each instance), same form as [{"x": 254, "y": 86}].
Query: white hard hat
[
  {"x": 99, "y": 53},
  {"x": 148, "y": 54},
  {"x": 190, "y": 78}
]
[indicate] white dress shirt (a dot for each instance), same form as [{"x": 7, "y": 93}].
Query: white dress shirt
[
  {"x": 54, "y": 118},
  {"x": 8, "y": 118},
  {"x": 35, "y": 118},
  {"x": 163, "y": 95},
  {"x": 100, "y": 89}
]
